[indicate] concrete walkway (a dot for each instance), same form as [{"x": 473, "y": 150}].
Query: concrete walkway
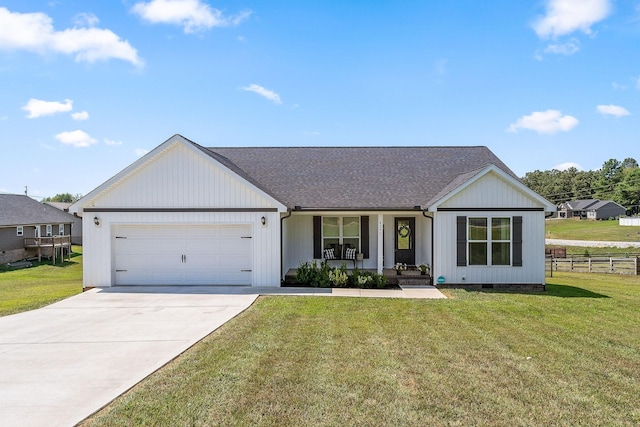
[{"x": 61, "y": 363}]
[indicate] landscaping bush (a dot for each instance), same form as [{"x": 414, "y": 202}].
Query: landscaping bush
[
  {"x": 322, "y": 276},
  {"x": 310, "y": 274}
]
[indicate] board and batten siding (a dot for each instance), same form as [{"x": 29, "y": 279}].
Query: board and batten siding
[
  {"x": 180, "y": 186},
  {"x": 179, "y": 177},
  {"x": 490, "y": 194},
  {"x": 532, "y": 270},
  {"x": 98, "y": 240},
  {"x": 491, "y": 191}
]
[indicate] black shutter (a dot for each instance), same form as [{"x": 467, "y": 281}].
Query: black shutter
[
  {"x": 517, "y": 241},
  {"x": 317, "y": 237},
  {"x": 461, "y": 238},
  {"x": 364, "y": 236}
]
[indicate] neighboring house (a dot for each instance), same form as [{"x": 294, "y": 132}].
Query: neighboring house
[
  {"x": 28, "y": 227},
  {"x": 76, "y": 225},
  {"x": 187, "y": 215},
  {"x": 591, "y": 209}
]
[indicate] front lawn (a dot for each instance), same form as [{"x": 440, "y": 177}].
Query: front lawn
[
  {"x": 569, "y": 356},
  {"x": 40, "y": 285}
]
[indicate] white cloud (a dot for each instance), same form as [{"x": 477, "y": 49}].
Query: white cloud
[
  {"x": 613, "y": 110},
  {"x": 269, "y": 94},
  {"x": 567, "y": 165},
  {"x": 566, "y": 16},
  {"x": 76, "y": 138},
  {"x": 549, "y": 121},
  {"x": 39, "y": 108},
  {"x": 140, "y": 152},
  {"x": 568, "y": 48},
  {"x": 85, "y": 20},
  {"x": 617, "y": 86},
  {"x": 81, "y": 115},
  {"x": 34, "y": 32},
  {"x": 112, "y": 142},
  {"x": 192, "y": 15}
]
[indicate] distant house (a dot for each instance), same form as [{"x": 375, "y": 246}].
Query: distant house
[
  {"x": 184, "y": 214},
  {"x": 29, "y": 228},
  {"x": 76, "y": 225},
  {"x": 591, "y": 209}
]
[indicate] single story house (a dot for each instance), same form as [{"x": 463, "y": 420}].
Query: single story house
[
  {"x": 591, "y": 209},
  {"x": 76, "y": 225},
  {"x": 29, "y": 228},
  {"x": 184, "y": 214}
]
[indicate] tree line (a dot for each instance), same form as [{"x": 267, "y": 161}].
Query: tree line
[{"x": 615, "y": 180}]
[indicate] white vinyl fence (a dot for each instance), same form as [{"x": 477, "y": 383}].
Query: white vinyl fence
[{"x": 630, "y": 221}]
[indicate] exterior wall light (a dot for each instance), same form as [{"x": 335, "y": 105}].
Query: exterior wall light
[
  {"x": 96, "y": 221},
  {"x": 263, "y": 221}
]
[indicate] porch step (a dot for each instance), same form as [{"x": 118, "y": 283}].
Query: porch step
[{"x": 414, "y": 280}]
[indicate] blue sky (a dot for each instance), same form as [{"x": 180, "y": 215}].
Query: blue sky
[{"x": 89, "y": 86}]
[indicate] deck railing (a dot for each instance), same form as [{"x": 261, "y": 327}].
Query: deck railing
[{"x": 53, "y": 242}]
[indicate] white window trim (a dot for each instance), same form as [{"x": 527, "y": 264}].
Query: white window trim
[
  {"x": 20, "y": 230},
  {"x": 341, "y": 235},
  {"x": 49, "y": 230},
  {"x": 488, "y": 241},
  {"x": 61, "y": 229}
]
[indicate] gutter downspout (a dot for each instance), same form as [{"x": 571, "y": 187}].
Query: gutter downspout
[
  {"x": 289, "y": 213},
  {"x": 424, "y": 214}
]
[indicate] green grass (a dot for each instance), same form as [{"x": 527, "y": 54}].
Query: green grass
[
  {"x": 40, "y": 285},
  {"x": 569, "y": 356},
  {"x": 591, "y": 230}
]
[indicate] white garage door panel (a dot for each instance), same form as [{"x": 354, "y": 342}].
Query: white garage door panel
[{"x": 183, "y": 255}]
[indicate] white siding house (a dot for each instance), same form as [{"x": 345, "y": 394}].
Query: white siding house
[{"x": 189, "y": 215}]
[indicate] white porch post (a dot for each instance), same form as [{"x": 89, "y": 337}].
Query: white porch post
[{"x": 380, "y": 243}]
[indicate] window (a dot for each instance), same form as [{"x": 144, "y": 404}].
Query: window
[
  {"x": 49, "y": 230},
  {"x": 338, "y": 232},
  {"x": 60, "y": 229},
  {"x": 20, "y": 230},
  {"x": 484, "y": 242},
  {"x": 37, "y": 233}
]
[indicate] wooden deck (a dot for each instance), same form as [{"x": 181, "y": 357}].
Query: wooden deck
[{"x": 51, "y": 244}]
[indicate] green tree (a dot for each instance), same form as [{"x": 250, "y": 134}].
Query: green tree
[
  {"x": 627, "y": 192},
  {"x": 608, "y": 178},
  {"x": 63, "y": 197}
]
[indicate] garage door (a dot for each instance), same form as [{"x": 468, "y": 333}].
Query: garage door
[{"x": 182, "y": 255}]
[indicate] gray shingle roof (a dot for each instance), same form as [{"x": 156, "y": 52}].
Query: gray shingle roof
[
  {"x": 17, "y": 209},
  {"x": 356, "y": 177}
]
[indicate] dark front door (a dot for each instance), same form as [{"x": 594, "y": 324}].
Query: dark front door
[{"x": 405, "y": 241}]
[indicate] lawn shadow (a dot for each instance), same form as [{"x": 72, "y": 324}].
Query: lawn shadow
[
  {"x": 551, "y": 290},
  {"x": 566, "y": 291}
]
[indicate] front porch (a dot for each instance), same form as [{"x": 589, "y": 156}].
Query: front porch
[
  {"x": 406, "y": 278},
  {"x": 380, "y": 240}
]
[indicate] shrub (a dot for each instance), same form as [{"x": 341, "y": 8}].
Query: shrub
[
  {"x": 380, "y": 280},
  {"x": 310, "y": 274},
  {"x": 338, "y": 277}
]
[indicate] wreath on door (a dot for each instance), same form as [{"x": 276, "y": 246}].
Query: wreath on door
[{"x": 404, "y": 231}]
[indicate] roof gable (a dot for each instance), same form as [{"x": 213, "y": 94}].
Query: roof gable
[
  {"x": 489, "y": 188},
  {"x": 177, "y": 174}
]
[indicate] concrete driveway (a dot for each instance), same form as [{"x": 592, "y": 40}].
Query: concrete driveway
[{"x": 61, "y": 363}]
